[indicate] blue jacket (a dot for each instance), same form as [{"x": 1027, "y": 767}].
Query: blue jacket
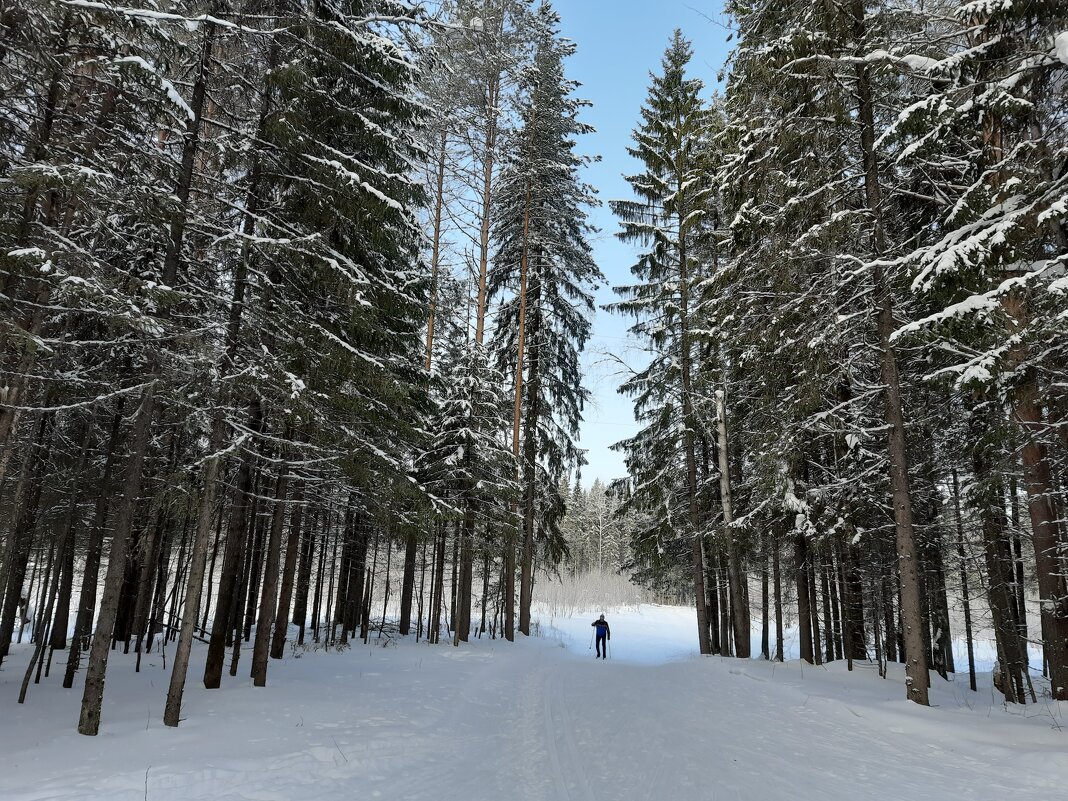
[{"x": 602, "y": 628}]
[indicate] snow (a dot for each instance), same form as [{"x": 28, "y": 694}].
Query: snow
[
  {"x": 1060, "y": 47},
  {"x": 537, "y": 719},
  {"x": 167, "y": 86}
]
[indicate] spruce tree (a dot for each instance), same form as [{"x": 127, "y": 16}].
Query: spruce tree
[
  {"x": 543, "y": 261},
  {"x": 668, "y": 221}
]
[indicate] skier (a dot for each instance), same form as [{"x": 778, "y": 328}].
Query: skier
[{"x": 603, "y": 633}]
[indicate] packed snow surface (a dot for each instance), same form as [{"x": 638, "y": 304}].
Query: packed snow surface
[{"x": 538, "y": 719}]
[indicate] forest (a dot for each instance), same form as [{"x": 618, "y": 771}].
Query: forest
[{"x": 296, "y": 293}]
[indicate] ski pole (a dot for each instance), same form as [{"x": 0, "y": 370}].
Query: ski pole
[{"x": 590, "y": 646}]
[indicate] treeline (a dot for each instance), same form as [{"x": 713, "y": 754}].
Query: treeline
[
  {"x": 852, "y": 282},
  {"x": 292, "y": 290}
]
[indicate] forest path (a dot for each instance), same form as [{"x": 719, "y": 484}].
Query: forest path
[{"x": 529, "y": 721}]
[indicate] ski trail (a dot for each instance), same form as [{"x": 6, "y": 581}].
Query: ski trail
[
  {"x": 549, "y": 733},
  {"x": 555, "y": 700}
]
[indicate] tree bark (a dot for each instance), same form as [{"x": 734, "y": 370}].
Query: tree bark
[
  {"x": 87, "y": 596},
  {"x": 1038, "y": 483},
  {"x": 411, "y": 551},
  {"x": 235, "y": 537},
  {"x": 804, "y": 610},
  {"x": 93, "y": 695},
  {"x": 739, "y": 607},
  {"x": 281, "y": 628},
  {"x": 777, "y": 581},
  {"x": 962, "y": 557},
  {"x": 269, "y": 592},
  {"x": 915, "y": 657},
  {"x": 530, "y": 466},
  {"x": 304, "y": 571},
  {"x": 20, "y": 540}
]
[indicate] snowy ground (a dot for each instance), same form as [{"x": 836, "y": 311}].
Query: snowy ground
[{"x": 539, "y": 719}]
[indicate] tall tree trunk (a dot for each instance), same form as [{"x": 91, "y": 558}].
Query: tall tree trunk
[
  {"x": 434, "y": 634},
  {"x": 832, "y": 576},
  {"x": 83, "y": 622},
  {"x": 724, "y": 603},
  {"x": 254, "y": 574},
  {"x": 269, "y": 591},
  {"x": 93, "y": 695},
  {"x": 739, "y": 606},
  {"x": 813, "y": 605},
  {"x": 146, "y": 584},
  {"x": 517, "y": 414},
  {"x": 777, "y": 581},
  {"x": 997, "y": 550},
  {"x": 828, "y": 626},
  {"x": 320, "y": 574},
  {"x": 435, "y": 257},
  {"x": 89, "y": 722},
  {"x": 304, "y": 571},
  {"x": 804, "y": 603},
  {"x": 21, "y": 537},
  {"x": 281, "y": 627},
  {"x": 58, "y": 638},
  {"x": 231, "y": 563},
  {"x": 212, "y": 465},
  {"x": 962, "y": 557},
  {"x": 709, "y": 567},
  {"x": 689, "y": 426},
  {"x": 530, "y": 465},
  {"x": 765, "y": 605},
  {"x": 917, "y": 678},
  {"x": 853, "y": 603},
  {"x": 1038, "y": 483}
]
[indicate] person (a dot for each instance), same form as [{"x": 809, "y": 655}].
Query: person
[{"x": 603, "y": 635}]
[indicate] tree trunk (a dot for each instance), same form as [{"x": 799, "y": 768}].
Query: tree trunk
[
  {"x": 777, "y": 581},
  {"x": 917, "y": 678},
  {"x": 235, "y": 540},
  {"x": 804, "y": 610},
  {"x": 997, "y": 550},
  {"x": 304, "y": 571},
  {"x": 689, "y": 426},
  {"x": 281, "y": 628},
  {"x": 269, "y": 592},
  {"x": 765, "y": 605},
  {"x": 254, "y": 574},
  {"x": 411, "y": 551},
  {"x": 1038, "y": 483},
  {"x": 828, "y": 625},
  {"x": 83, "y": 622},
  {"x": 20, "y": 540},
  {"x": 739, "y": 606},
  {"x": 38, "y": 652},
  {"x": 58, "y": 638},
  {"x": 438, "y": 594},
  {"x": 93, "y": 695},
  {"x": 964, "y": 580}
]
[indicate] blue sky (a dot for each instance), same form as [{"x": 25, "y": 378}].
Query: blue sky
[{"x": 619, "y": 43}]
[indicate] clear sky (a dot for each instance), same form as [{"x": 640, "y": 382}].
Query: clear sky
[{"x": 619, "y": 43}]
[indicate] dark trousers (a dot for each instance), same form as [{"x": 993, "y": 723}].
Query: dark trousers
[{"x": 602, "y": 644}]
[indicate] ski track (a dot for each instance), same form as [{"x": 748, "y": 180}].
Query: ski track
[{"x": 529, "y": 721}]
